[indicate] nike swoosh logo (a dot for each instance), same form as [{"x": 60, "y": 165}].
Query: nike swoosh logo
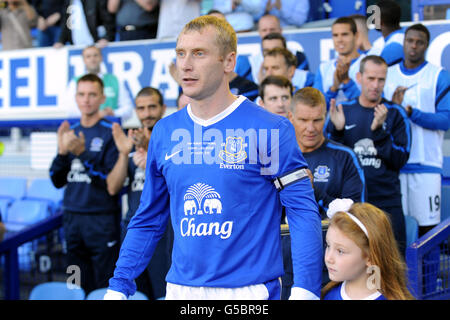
[
  {"x": 350, "y": 127},
  {"x": 167, "y": 157}
]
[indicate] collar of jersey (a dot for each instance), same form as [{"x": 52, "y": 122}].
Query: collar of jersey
[
  {"x": 344, "y": 295},
  {"x": 217, "y": 117}
]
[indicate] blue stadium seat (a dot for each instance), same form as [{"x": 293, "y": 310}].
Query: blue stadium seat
[
  {"x": 23, "y": 213},
  {"x": 445, "y": 202},
  {"x": 412, "y": 230},
  {"x": 43, "y": 189},
  {"x": 98, "y": 294},
  {"x": 4, "y": 205},
  {"x": 12, "y": 188},
  {"x": 56, "y": 291},
  {"x": 446, "y": 171}
]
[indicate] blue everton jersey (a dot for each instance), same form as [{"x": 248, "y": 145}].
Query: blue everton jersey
[
  {"x": 337, "y": 173},
  {"x": 215, "y": 180},
  {"x": 382, "y": 152},
  {"x": 85, "y": 175},
  {"x": 338, "y": 293}
]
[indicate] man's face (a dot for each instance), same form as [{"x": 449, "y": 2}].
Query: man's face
[
  {"x": 372, "y": 81},
  {"x": 268, "y": 24},
  {"x": 277, "y": 66},
  {"x": 270, "y": 44},
  {"x": 415, "y": 45},
  {"x": 92, "y": 58},
  {"x": 277, "y": 99},
  {"x": 149, "y": 110},
  {"x": 344, "y": 39},
  {"x": 308, "y": 123},
  {"x": 89, "y": 97},
  {"x": 201, "y": 66}
]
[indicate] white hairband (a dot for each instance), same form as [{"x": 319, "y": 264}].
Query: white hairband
[{"x": 343, "y": 205}]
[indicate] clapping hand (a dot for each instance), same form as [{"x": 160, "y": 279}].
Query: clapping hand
[{"x": 337, "y": 115}]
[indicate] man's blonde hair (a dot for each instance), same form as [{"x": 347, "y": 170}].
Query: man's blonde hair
[
  {"x": 225, "y": 35},
  {"x": 308, "y": 96}
]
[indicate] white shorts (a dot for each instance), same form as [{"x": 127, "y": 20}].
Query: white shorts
[
  {"x": 264, "y": 291},
  {"x": 421, "y": 197}
]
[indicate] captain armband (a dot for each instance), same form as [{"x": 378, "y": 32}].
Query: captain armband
[{"x": 289, "y": 178}]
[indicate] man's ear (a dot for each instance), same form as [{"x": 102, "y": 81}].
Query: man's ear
[
  {"x": 229, "y": 62},
  {"x": 358, "y": 77}
]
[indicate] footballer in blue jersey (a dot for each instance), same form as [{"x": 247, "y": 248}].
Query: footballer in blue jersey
[
  {"x": 85, "y": 161},
  {"x": 221, "y": 169},
  {"x": 379, "y": 132}
]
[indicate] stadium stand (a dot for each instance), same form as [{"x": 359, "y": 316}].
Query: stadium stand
[
  {"x": 42, "y": 189},
  {"x": 99, "y": 293},
  {"x": 56, "y": 291}
]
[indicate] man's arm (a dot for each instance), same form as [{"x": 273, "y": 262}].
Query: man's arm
[
  {"x": 440, "y": 120},
  {"x": 303, "y": 218},
  {"x": 145, "y": 228},
  {"x": 394, "y": 144}
]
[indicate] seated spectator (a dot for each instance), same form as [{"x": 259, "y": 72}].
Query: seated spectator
[
  {"x": 249, "y": 66},
  {"x": 174, "y": 14},
  {"x": 280, "y": 61},
  {"x": 276, "y": 40},
  {"x": 50, "y": 13},
  {"x": 16, "y": 20},
  {"x": 81, "y": 21},
  {"x": 240, "y": 14},
  {"x": 135, "y": 19},
  {"x": 289, "y": 12},
  {"x": 118, "y": 102}
]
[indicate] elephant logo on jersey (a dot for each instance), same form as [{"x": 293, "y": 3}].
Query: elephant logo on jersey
[
  {"x": 365, "y": 147},
  {"x": 202, "y": 198},
  {"x": 367, "y": 153},
  {"x": 321, "y": 173},
  {"x": 233, "y": 151}
]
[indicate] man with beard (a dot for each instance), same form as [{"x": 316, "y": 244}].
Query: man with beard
[{"x": 150, "y": 109}]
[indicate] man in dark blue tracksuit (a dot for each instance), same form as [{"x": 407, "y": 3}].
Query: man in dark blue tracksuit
[
  {"x": 132, "y": 161},
  {"x": 86, "y": 158},
  {"x": 379, "y": 132},
  {"x": 336, "y": 171}
]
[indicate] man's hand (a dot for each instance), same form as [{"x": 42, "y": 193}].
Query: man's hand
[
  {"x": 73, "y": 143},
  {"x": 379, "y": 116},
  {"x": 141, "y": 137},
  {"x": 123, "y": 143},
  {"x": 337, "y": 115},
  {"x": 398, "y": 95},
  {"x": 62, "y": 129},
  {"x": 140, "y": 158}
]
